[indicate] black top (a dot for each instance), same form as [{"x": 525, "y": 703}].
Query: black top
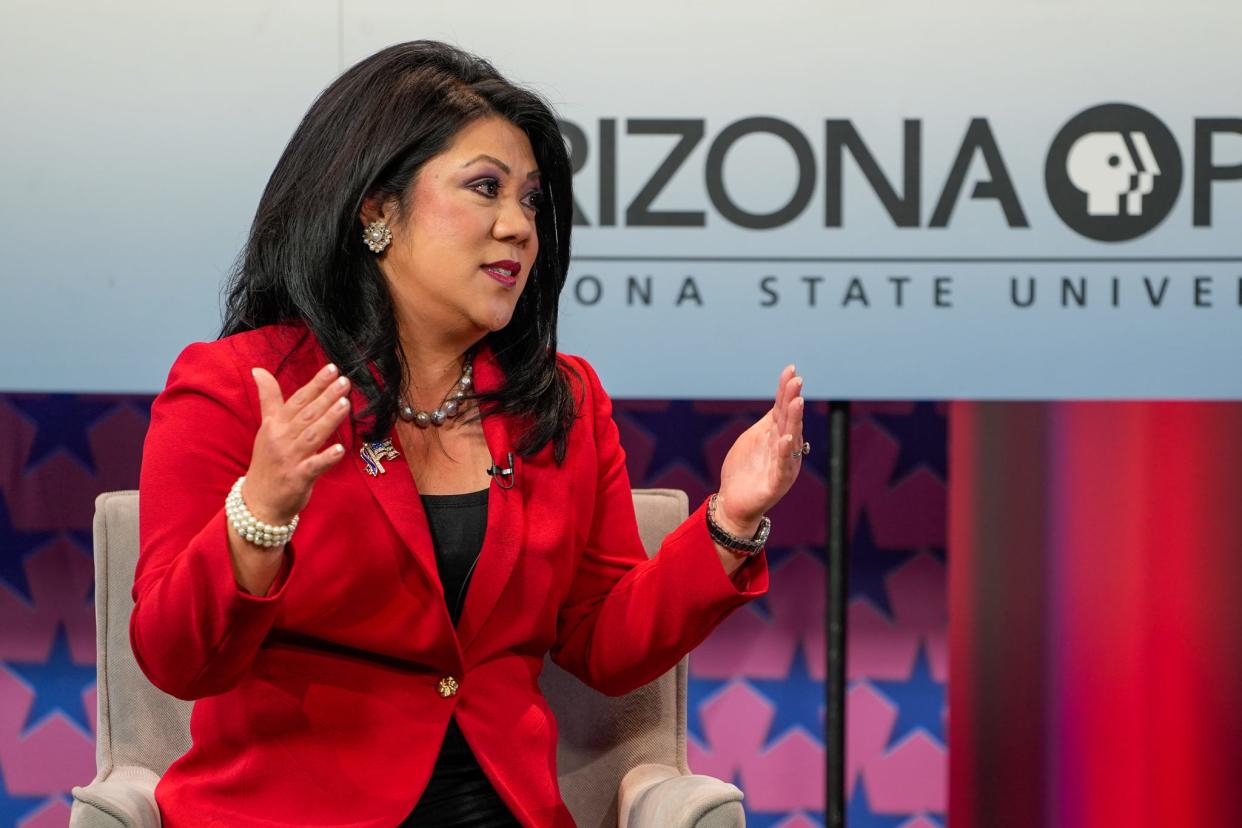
[
  {"x": 458, "y": 523},
  {"x": 458, "y": 793}
]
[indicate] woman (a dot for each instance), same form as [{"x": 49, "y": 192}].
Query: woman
[{"x": 388, "y": 387}]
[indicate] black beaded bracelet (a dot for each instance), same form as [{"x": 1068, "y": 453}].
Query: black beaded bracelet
[{"x": 742, "y": 546}]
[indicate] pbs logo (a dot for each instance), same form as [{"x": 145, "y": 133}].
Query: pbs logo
[{"x": 1113, "y": 172}]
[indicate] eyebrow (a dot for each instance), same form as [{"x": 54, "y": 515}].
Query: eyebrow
[{"x": 499, "y": 163}]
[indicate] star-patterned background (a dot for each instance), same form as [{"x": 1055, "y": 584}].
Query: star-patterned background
[{"x": 756, "y": 684}]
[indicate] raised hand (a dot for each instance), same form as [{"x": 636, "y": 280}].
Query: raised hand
[
  {"x": 760, "y": 467},
  {"x": 287, "y": 459}
]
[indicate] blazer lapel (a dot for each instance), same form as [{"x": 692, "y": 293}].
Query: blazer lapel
[
  {"x": 505, "y": 509},
  {"x": 397, "y": 494}
]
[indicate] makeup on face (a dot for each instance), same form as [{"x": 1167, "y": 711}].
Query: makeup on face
[
  {"x": 486, "y": 175},
  {"x": 472, "y": 213},
  {"x": 504, "y": 271}
]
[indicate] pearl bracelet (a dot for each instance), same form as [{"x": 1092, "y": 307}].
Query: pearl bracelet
[{"x": 251, "y": 528}]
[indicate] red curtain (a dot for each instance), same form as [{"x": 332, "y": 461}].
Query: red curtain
[{"x": 1096, "y": 614}]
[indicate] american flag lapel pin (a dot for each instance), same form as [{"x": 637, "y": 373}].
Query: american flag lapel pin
[{"x": 373, "y": 453}]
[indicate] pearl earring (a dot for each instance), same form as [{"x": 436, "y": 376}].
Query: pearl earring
[{"x": 377, "y": 236}]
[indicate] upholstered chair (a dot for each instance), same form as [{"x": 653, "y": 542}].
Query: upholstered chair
[{"x": 621, "y": 760}]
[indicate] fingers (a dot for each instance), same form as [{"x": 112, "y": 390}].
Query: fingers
[
  {"x": 316, "y": 408},
  {"x": 795, "y": 418},
  {"x": 786, "y": 372},
  {"x": 306, "y": 407},
  {"x": 796, "y": 404},
  {"x": 286, "y": 459},
  {"x": 270, "y": 398},
  {"x": 794, "y": 391},
  {"x": 318, "y": 430},
  {"x": 311, "y": 391},
  {"x": 317, "y": 464},
  {"x": 293, "y": 430},
  {"x": 788, "y": 393},
  {"x": 790, "y": 419},
  {"x": 778, "y": 408}
]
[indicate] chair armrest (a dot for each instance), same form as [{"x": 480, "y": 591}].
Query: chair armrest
[
  {"x": 660, "y": 796},
  {"x": 125, "y": 798}
]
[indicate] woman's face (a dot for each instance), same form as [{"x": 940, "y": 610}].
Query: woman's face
[{"x": 471, "y": 217}]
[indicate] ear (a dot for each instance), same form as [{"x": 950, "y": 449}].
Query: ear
[{"x": 376, "y": 208}]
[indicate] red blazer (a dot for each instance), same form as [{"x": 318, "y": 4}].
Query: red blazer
[{"x": 320, "y": 703}]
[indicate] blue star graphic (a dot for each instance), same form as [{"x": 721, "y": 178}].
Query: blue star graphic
[
  {"x": 15, "y": 547},
  {"x": 680, "y": 433},
  {"x": 84, "y": 540},
  {"x": 58, "y": 684},
  {"x": 699, "y": 691},
  {"x": 919, "y": 702},
  {"x": 923, "y": 439},
  {"x": 799, "y": 701},
  {"x": 870, "y": 565},
  {"x": 858, "y": 813},
  {"x": 776, "y": 556},
  {"x": 14, "y": 808},
  {"x": 769, "y": 819},
  {"x": 142, "y": 405},
  {"x": 63, "y": 421}
]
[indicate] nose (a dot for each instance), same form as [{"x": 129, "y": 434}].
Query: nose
[{"x": 514, "y": 223}]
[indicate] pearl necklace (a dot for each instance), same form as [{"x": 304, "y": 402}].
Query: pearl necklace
[{"x": 450, "y": 407}]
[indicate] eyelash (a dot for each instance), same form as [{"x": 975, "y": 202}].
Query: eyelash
[{"x": 535, "y": 201}]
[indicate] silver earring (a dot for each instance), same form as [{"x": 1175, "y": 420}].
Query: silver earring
[{"x": 377, "y": 236}]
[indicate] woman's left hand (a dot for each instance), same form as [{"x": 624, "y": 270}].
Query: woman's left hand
[{"x": 760, "y": 467}]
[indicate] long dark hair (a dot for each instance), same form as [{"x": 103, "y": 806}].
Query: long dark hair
[{"x": 367, "y": 134}]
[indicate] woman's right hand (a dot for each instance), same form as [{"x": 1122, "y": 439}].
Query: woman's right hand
[{"x": 286, "y": 461}]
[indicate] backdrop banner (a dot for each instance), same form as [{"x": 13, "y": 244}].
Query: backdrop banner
[{"x": 958, "y": 200}]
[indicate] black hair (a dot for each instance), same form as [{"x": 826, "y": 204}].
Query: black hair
[{"x": 368, "y": 134}]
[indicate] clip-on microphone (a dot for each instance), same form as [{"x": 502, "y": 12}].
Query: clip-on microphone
[{"x": 502, "y": 475}]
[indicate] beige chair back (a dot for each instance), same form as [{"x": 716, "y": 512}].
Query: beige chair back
[{"x": 601, "y": 737}]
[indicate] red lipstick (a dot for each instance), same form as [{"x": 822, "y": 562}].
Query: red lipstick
[{"x": 504, "y": 271}]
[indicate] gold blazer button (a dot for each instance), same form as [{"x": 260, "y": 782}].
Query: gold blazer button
[{"x": 448, "y": 686}]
